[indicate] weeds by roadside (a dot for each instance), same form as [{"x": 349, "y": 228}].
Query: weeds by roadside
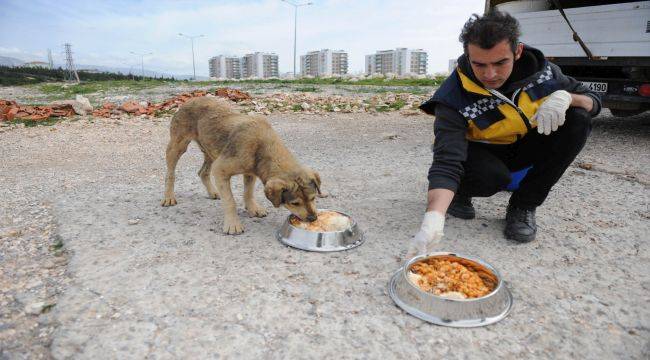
[
  {"x": 67, "y": 91},
  {"x": 31, "y": 123},
  {"x": 307, "y": 89}
]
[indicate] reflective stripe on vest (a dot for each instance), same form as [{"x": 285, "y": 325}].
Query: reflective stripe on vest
[{"x": 494, "y": 118}]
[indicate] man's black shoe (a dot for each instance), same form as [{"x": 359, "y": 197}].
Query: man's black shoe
[
  {"x": 461, "y": 207},
  {"x": 520, "y": 224}
]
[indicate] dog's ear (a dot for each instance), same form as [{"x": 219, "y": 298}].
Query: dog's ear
[
  {"x": 315, "y": 180},
  {"x": 273, "y": 189}
]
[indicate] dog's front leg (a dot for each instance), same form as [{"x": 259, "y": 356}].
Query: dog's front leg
[
  {"x": 254, "y": 209},
  {"x": 231, "y": 223}
]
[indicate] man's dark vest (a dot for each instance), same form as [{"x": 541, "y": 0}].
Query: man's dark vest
[{"x": 492, "y": 119}]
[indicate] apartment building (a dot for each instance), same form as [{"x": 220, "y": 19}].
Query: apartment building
[
  {"x": 452, "y": 65},
  {"x": 370, "y": 65},
  {"x": 259, "y": 65},
  {"x": 255, "y": 65},
  {"x": 401, "y": 62},
  {"x": 225, "y": 67},
  {"x": 324, "y": 63}
]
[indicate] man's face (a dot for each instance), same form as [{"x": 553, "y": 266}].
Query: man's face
[{"x": 492, "y": 67}]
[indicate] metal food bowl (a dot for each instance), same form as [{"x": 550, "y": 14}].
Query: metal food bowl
[
  {"x": 321, "y": 241},
  {"x": 452, "y": 312}
]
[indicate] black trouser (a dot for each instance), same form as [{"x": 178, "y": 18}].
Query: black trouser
[{"x": 488, "y": 166}]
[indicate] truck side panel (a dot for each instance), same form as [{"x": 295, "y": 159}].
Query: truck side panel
[{"x": 619, "y": 30}]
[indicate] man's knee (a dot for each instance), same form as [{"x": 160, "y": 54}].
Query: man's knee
[
  {"x": 501, "y": 179},
  {"x": 497, "y": 180},
  {"x": 487, "y": 181},
  {"x": 578, "y": 121}
]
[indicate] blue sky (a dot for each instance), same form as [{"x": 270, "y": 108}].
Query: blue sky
[{"x": 105, "y": 32}]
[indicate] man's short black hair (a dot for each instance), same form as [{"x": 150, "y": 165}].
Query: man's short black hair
[{"x": 490, "y": 29}]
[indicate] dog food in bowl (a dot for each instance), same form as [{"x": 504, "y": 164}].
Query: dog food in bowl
[
  {"x": 328, "y": 221},
  {"x": 449, "y": 279}
]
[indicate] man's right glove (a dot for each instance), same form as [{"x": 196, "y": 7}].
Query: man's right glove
[
  {"x": 429, "y": 235},
  {"x": 551, "y": 114}
]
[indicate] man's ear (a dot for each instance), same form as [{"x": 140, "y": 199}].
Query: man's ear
[
  {"x": 273, "y": 190},
  {"x": 519, "y": 51}
]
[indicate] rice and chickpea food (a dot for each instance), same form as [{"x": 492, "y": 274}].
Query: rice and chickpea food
[
  {"x": 327, "y": 221},
  {"x": 448, "y": 279}
]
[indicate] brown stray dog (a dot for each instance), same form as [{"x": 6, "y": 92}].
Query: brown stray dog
[{"x": 233, "y": 144}]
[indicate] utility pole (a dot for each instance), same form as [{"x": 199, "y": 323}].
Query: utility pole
[
  {"x": 295, "y": 27},
  {"x": 70, "y": 70},
  {"x": 141, "y": 60},
  {"x": 50, "y": 62},
  {"x": 192, "y": 40}
]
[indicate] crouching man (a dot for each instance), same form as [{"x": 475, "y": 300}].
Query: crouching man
[{"x": 505, "y": 108}]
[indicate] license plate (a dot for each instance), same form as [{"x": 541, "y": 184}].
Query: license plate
[{"x": 599, "y": 87}]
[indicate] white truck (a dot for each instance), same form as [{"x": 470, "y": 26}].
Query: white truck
[{"x": 604, "y": 44}]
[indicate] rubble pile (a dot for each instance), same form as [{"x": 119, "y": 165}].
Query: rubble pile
[
  {"x": 10, "y": 110},
  {"x": 145, "y": 108},
  {"x": 80, "y": 104},
  {"x": 233, "y": 94},
  {"x": 308, "y": 103}
]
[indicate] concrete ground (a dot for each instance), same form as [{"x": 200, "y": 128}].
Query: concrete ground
[{"x": 91, "y": 266}]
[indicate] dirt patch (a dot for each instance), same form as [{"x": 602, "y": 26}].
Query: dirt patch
[{"x": 147, "y": 281}]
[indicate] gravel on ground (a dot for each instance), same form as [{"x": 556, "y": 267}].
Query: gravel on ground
[{"x": 91, "y": 266}]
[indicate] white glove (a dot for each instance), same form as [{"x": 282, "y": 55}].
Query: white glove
[
  {"x": 429, "y": 235},
  {"x": 551, "y": 114}
]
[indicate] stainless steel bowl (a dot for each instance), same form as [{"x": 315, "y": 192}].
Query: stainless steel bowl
[
  {"x": 451, "y": 312},
  {"x": 321, "y": 241}
]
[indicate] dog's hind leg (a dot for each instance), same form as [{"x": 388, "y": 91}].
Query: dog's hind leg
[
  {"x": 254, "y": 209},
  {"x": 175, "y": 149},
  {"x": 204, "y": 174}
]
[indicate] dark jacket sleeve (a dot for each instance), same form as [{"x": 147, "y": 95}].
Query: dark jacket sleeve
[
  {"x": 449, "y": 149},
  {"x": 575, "y": 87}
]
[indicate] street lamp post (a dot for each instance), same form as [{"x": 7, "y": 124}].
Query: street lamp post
[
  {"x": 192, "y": 40},
  {"x": 141, "y": 60},
  {"x": 295, "y": 27}
]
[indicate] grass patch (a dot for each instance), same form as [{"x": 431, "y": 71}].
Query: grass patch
[
  {"x": 57, "y": 245},
  {"x": 58, "y": 91},
  {"x": 68, "y": 91},
  {"x": 31, "y": 123},
  {"x": 296, "y": 108},
  {"x": 415, "y": 90},
  {"x": 307, "y": 89},
  {"x": 161, "y": 113},
  {"x": 398, "y": 104},
  {"x": 382, "y": 108}
]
